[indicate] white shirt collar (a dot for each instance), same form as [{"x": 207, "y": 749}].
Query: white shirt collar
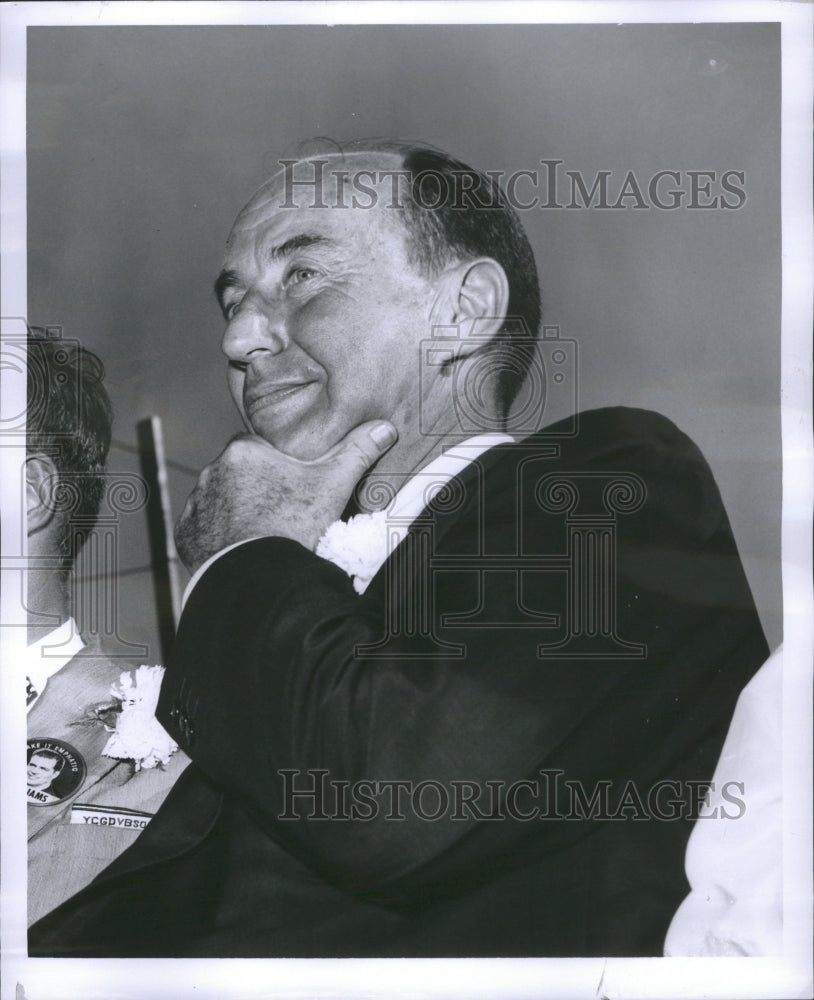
[
  {"x": 425, "y": 485},
  {"x": 46, "y": 656}
]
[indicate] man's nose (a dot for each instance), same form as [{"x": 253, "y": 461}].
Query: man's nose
[{"x": 258, "y": 325}]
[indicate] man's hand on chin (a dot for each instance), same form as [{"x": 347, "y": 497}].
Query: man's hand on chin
[{"x": 252, "y": 490}]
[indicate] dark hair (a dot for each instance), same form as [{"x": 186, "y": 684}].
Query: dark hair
[
  {"x": 69, "y": 418},
  {"x": 455, "y": 211},
  {"x": 49, "y": 755}
]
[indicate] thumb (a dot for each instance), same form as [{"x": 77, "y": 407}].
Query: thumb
[{"x": 363, "y": 446}]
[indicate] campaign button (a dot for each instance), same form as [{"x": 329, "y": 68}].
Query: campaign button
[{"x": 55, "y": 771}]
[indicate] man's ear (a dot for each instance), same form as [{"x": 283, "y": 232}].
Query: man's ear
[
  {"x": 474, "y": 296},
  {"x": 41, "y": 483}
]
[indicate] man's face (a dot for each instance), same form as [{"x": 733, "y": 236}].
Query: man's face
[
  {"x": 325, "y": 315},
  {"x": 41, "y": 771}
]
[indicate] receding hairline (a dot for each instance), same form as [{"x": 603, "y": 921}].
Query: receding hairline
[
  {"x": 373, "y": 156},
  {"x": 366, "y": 159}
]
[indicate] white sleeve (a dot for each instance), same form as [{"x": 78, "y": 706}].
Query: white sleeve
[{"x": 734, "y": 856}]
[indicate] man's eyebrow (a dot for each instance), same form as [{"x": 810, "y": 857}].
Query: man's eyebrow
[{"x": 298, "y": 243}]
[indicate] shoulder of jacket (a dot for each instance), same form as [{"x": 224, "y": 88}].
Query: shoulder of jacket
[{"x": 614, "y": 431}]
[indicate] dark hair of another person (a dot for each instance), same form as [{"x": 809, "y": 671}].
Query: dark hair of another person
[
  {"x": 69, "y": 418},
  {"x": 457, "y": 212}
]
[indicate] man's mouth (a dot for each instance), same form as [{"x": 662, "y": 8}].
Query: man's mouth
[{"x": 262, "y": 397}]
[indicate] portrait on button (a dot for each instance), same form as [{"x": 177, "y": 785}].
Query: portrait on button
[{"x": 55, "y": 770}]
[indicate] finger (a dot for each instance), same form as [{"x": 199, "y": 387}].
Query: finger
[
  {"x": 181, "y": 530},
  {"x": 189, "y": 508},
  {"x": 362, "y": 446},
  {"x": 249, "y": 436}
]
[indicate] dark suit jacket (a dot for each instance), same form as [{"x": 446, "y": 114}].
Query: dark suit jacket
[{"x": 538, "y": 625}]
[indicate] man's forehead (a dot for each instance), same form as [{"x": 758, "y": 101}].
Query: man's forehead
[
  {"x": 360, "y": 159},
  {"x": 319, "y": 183}
]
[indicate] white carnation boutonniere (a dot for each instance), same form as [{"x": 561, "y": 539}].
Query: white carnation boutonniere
[
  {"x": 137, "y": 734},
  {"x": 358, "y": 546}
]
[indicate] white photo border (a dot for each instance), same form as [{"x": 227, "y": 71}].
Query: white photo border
[{"x": 55, "y": 979}]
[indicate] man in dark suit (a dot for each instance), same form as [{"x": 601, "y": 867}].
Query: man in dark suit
[{"x": 493, "y": 739}]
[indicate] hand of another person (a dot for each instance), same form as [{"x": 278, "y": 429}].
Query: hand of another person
[{"x": 251, "y": 490}]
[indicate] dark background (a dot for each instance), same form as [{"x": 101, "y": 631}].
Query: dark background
[{"x": 143, "y": 143}]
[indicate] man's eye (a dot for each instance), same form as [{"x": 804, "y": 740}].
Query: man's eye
[
  {"x": 300, "y": 274},
  {"x": 230, "y": 310}
]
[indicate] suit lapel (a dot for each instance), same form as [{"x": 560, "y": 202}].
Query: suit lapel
[
  {"x": 188, "y": 814},
  {"x": 469, "y": 480}
]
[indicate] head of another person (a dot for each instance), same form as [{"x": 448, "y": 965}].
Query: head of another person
[
  {"x": 338, "y": 272},
  {"x": 68, "y": 430},
  {"x": 43, "y": 767}
]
